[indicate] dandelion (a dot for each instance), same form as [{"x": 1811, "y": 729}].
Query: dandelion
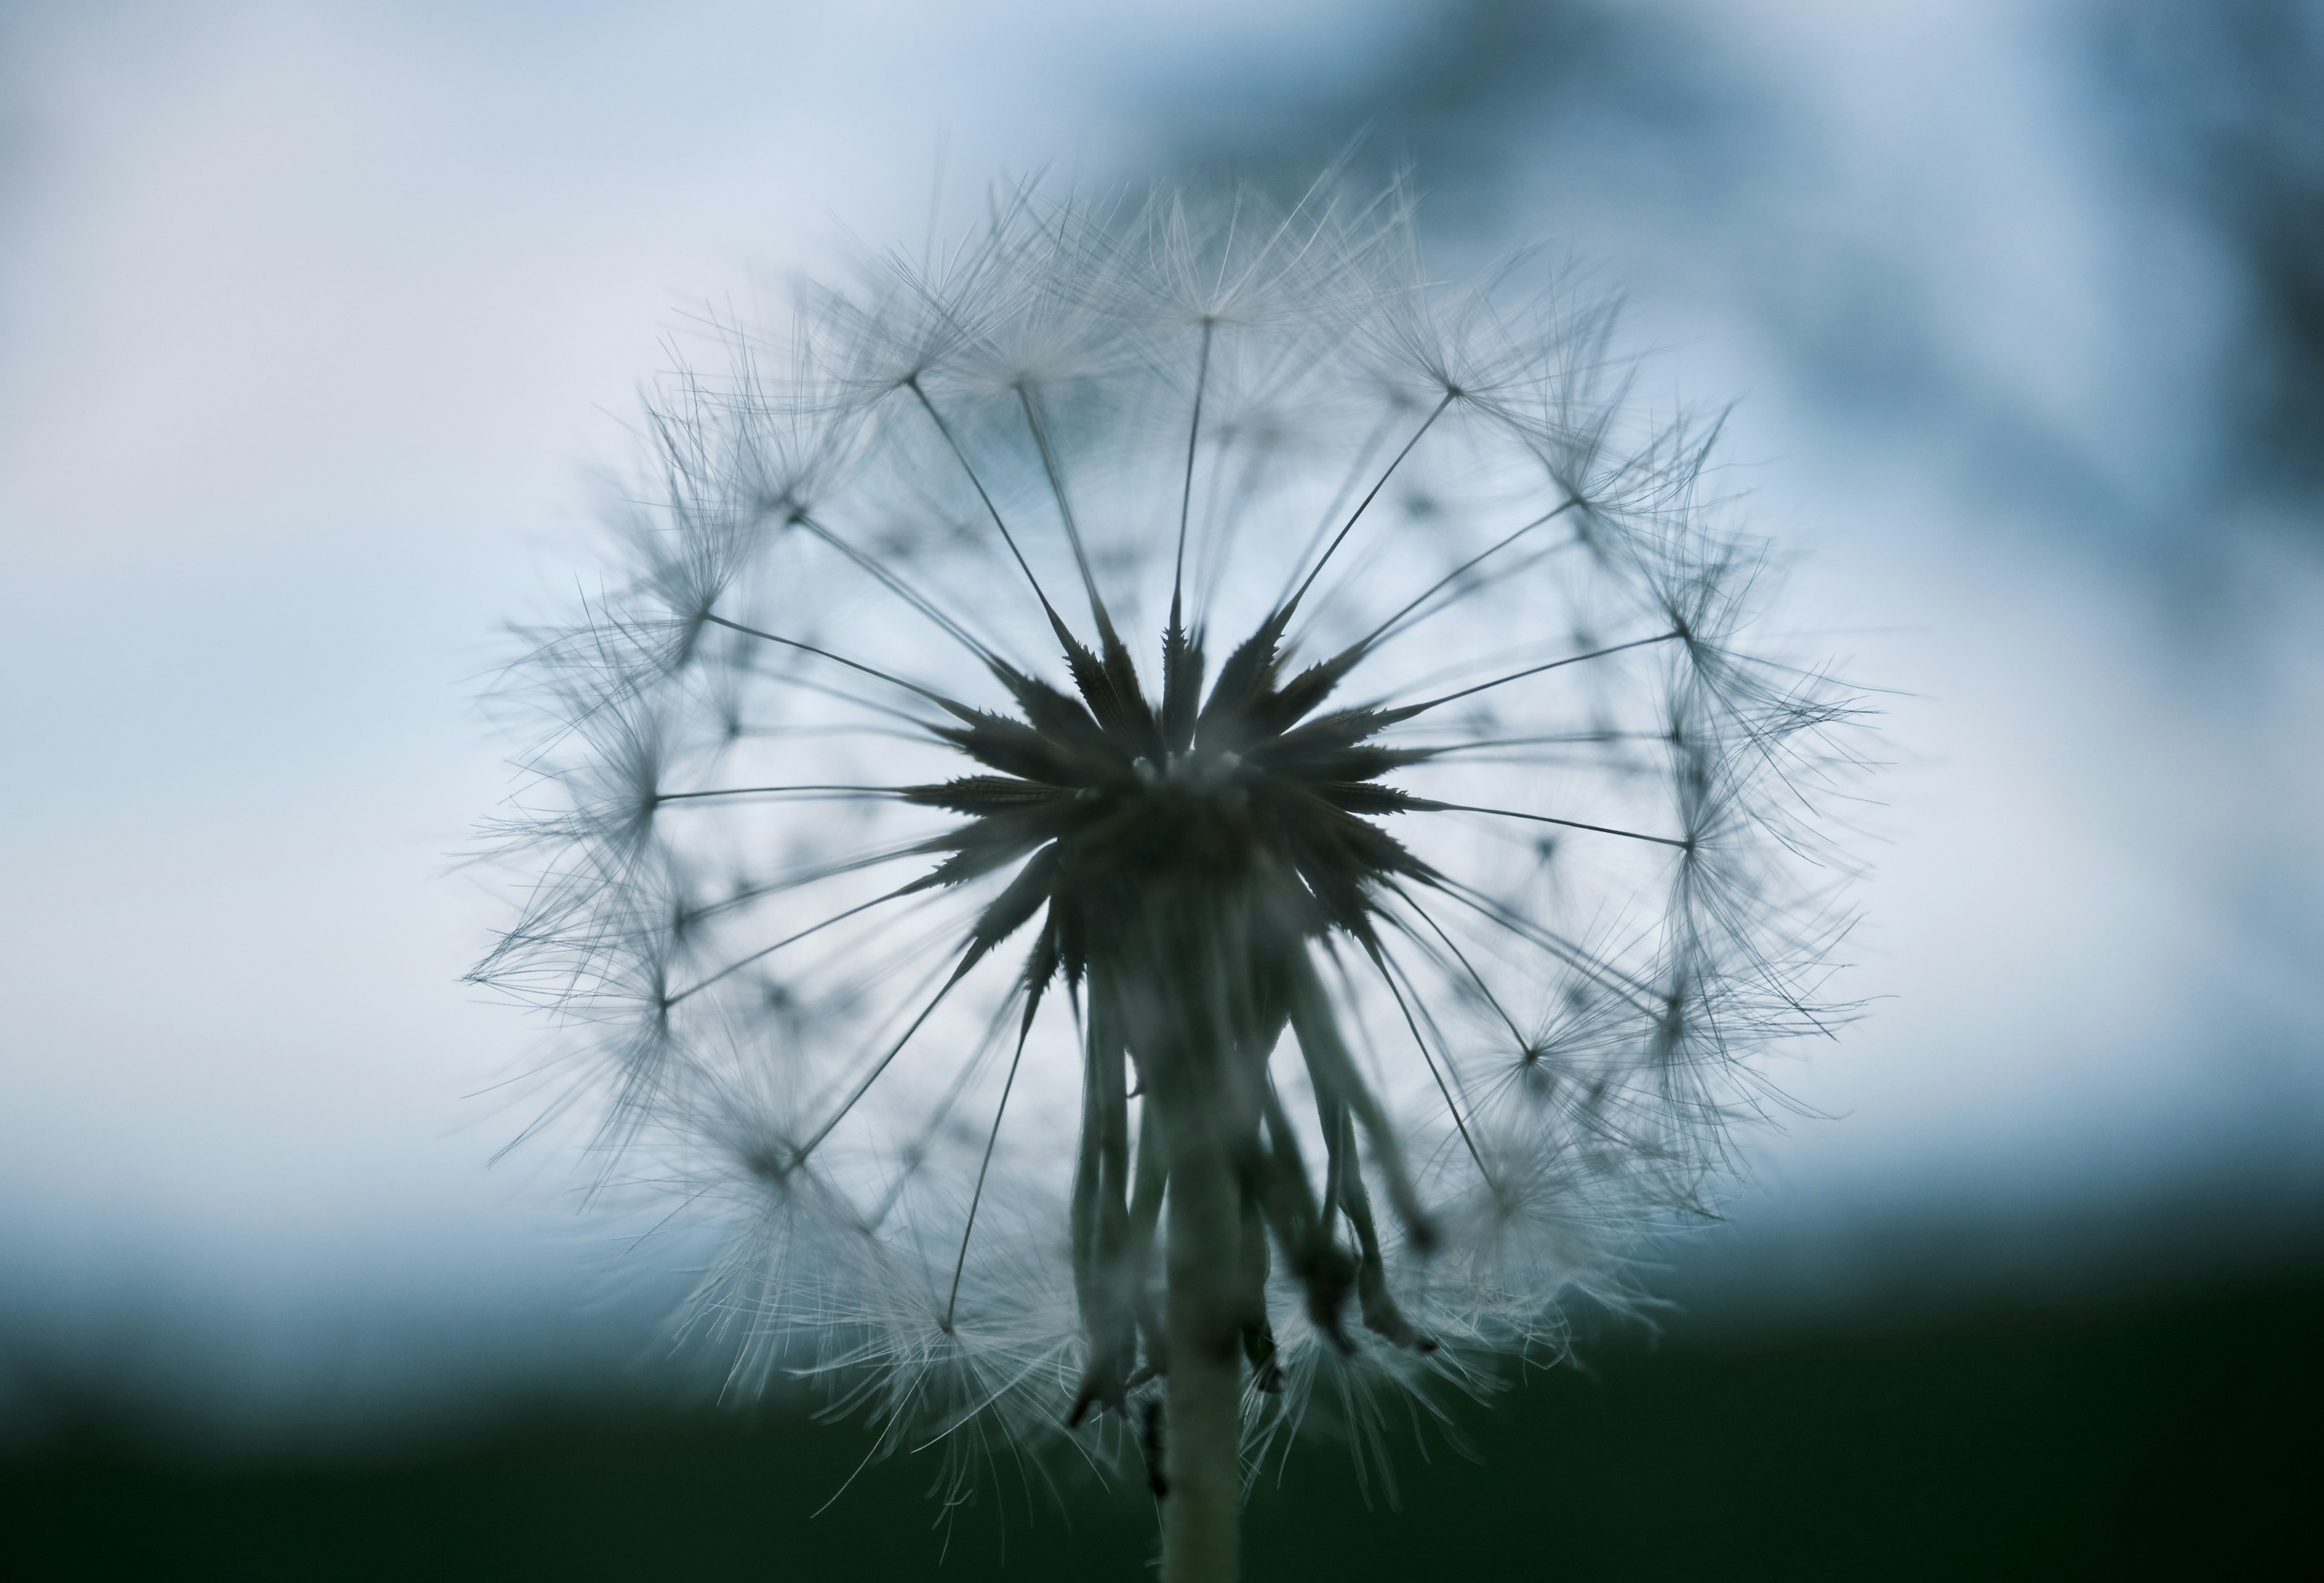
[{"x": 1170, "y": 829}]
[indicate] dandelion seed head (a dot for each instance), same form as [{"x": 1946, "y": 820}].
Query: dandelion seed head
[{"x": 1165, "y": 693}]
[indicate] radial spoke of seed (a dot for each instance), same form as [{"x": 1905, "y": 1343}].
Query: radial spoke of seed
[
  {"x": 1629, "y": 986},
  {"x": 1451, "y": 1108},
  {"x": 807, "y": 791},
  {"x": 1330, "y": 1066},
  {"x": 1405, "y": 712},
  {"x": 1571, "y": 760},
  {"x": 1427, "y": 804},
  {"x": 1225, "y": 514},
  {"x": 902, "y": 590},
  {"x": 874, "y": 962},
  {"x": 1348, "y": 482},
  {"x": 816, "y": 875},
  {"x": 916, "y": 1155},
  {"x": 976, "y": 1198},
  {"x": 733, "y": 968},
  {"x": 765, "y": 733},
  {"x": 809, "y": 684},
  {"x": 1564, "y": 738},
  {"x": 960, "y": 455},
  {"x": 1098, "y": 612},
  {"x": 1403, "y": 624},
  {"x": 1460, "y": 957},
  {"x": 1365, "y": 504},
  {"x": 798, "y": 1155},
  {"x": 1375, "y": 635},
  {"x": 1186, "y": 492},
  {"x": 938, "y": 699}
]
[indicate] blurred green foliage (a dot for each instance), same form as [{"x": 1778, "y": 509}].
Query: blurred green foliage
[{"x": 2161, "y": 1436}]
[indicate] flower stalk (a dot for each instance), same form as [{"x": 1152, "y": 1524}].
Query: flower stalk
[{"x": 1202, "y": 1502}]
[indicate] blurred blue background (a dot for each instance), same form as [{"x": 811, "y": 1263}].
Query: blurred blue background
[{"x": 314, "y": 318}]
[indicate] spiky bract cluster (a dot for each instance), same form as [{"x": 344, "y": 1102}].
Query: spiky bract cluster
[{"x": 1512, "y": 858}]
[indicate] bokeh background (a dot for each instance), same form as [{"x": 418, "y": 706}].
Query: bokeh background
[{"x": 315, "y": 319}]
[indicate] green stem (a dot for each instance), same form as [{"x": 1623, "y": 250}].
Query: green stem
[{"x": 1202, "y": 1454}]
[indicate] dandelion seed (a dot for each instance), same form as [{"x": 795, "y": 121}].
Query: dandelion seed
[{"x": 1253, "y": 857}]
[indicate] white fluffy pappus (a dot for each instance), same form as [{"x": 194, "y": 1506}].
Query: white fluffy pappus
[{"x": 1162, "y": 789}]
